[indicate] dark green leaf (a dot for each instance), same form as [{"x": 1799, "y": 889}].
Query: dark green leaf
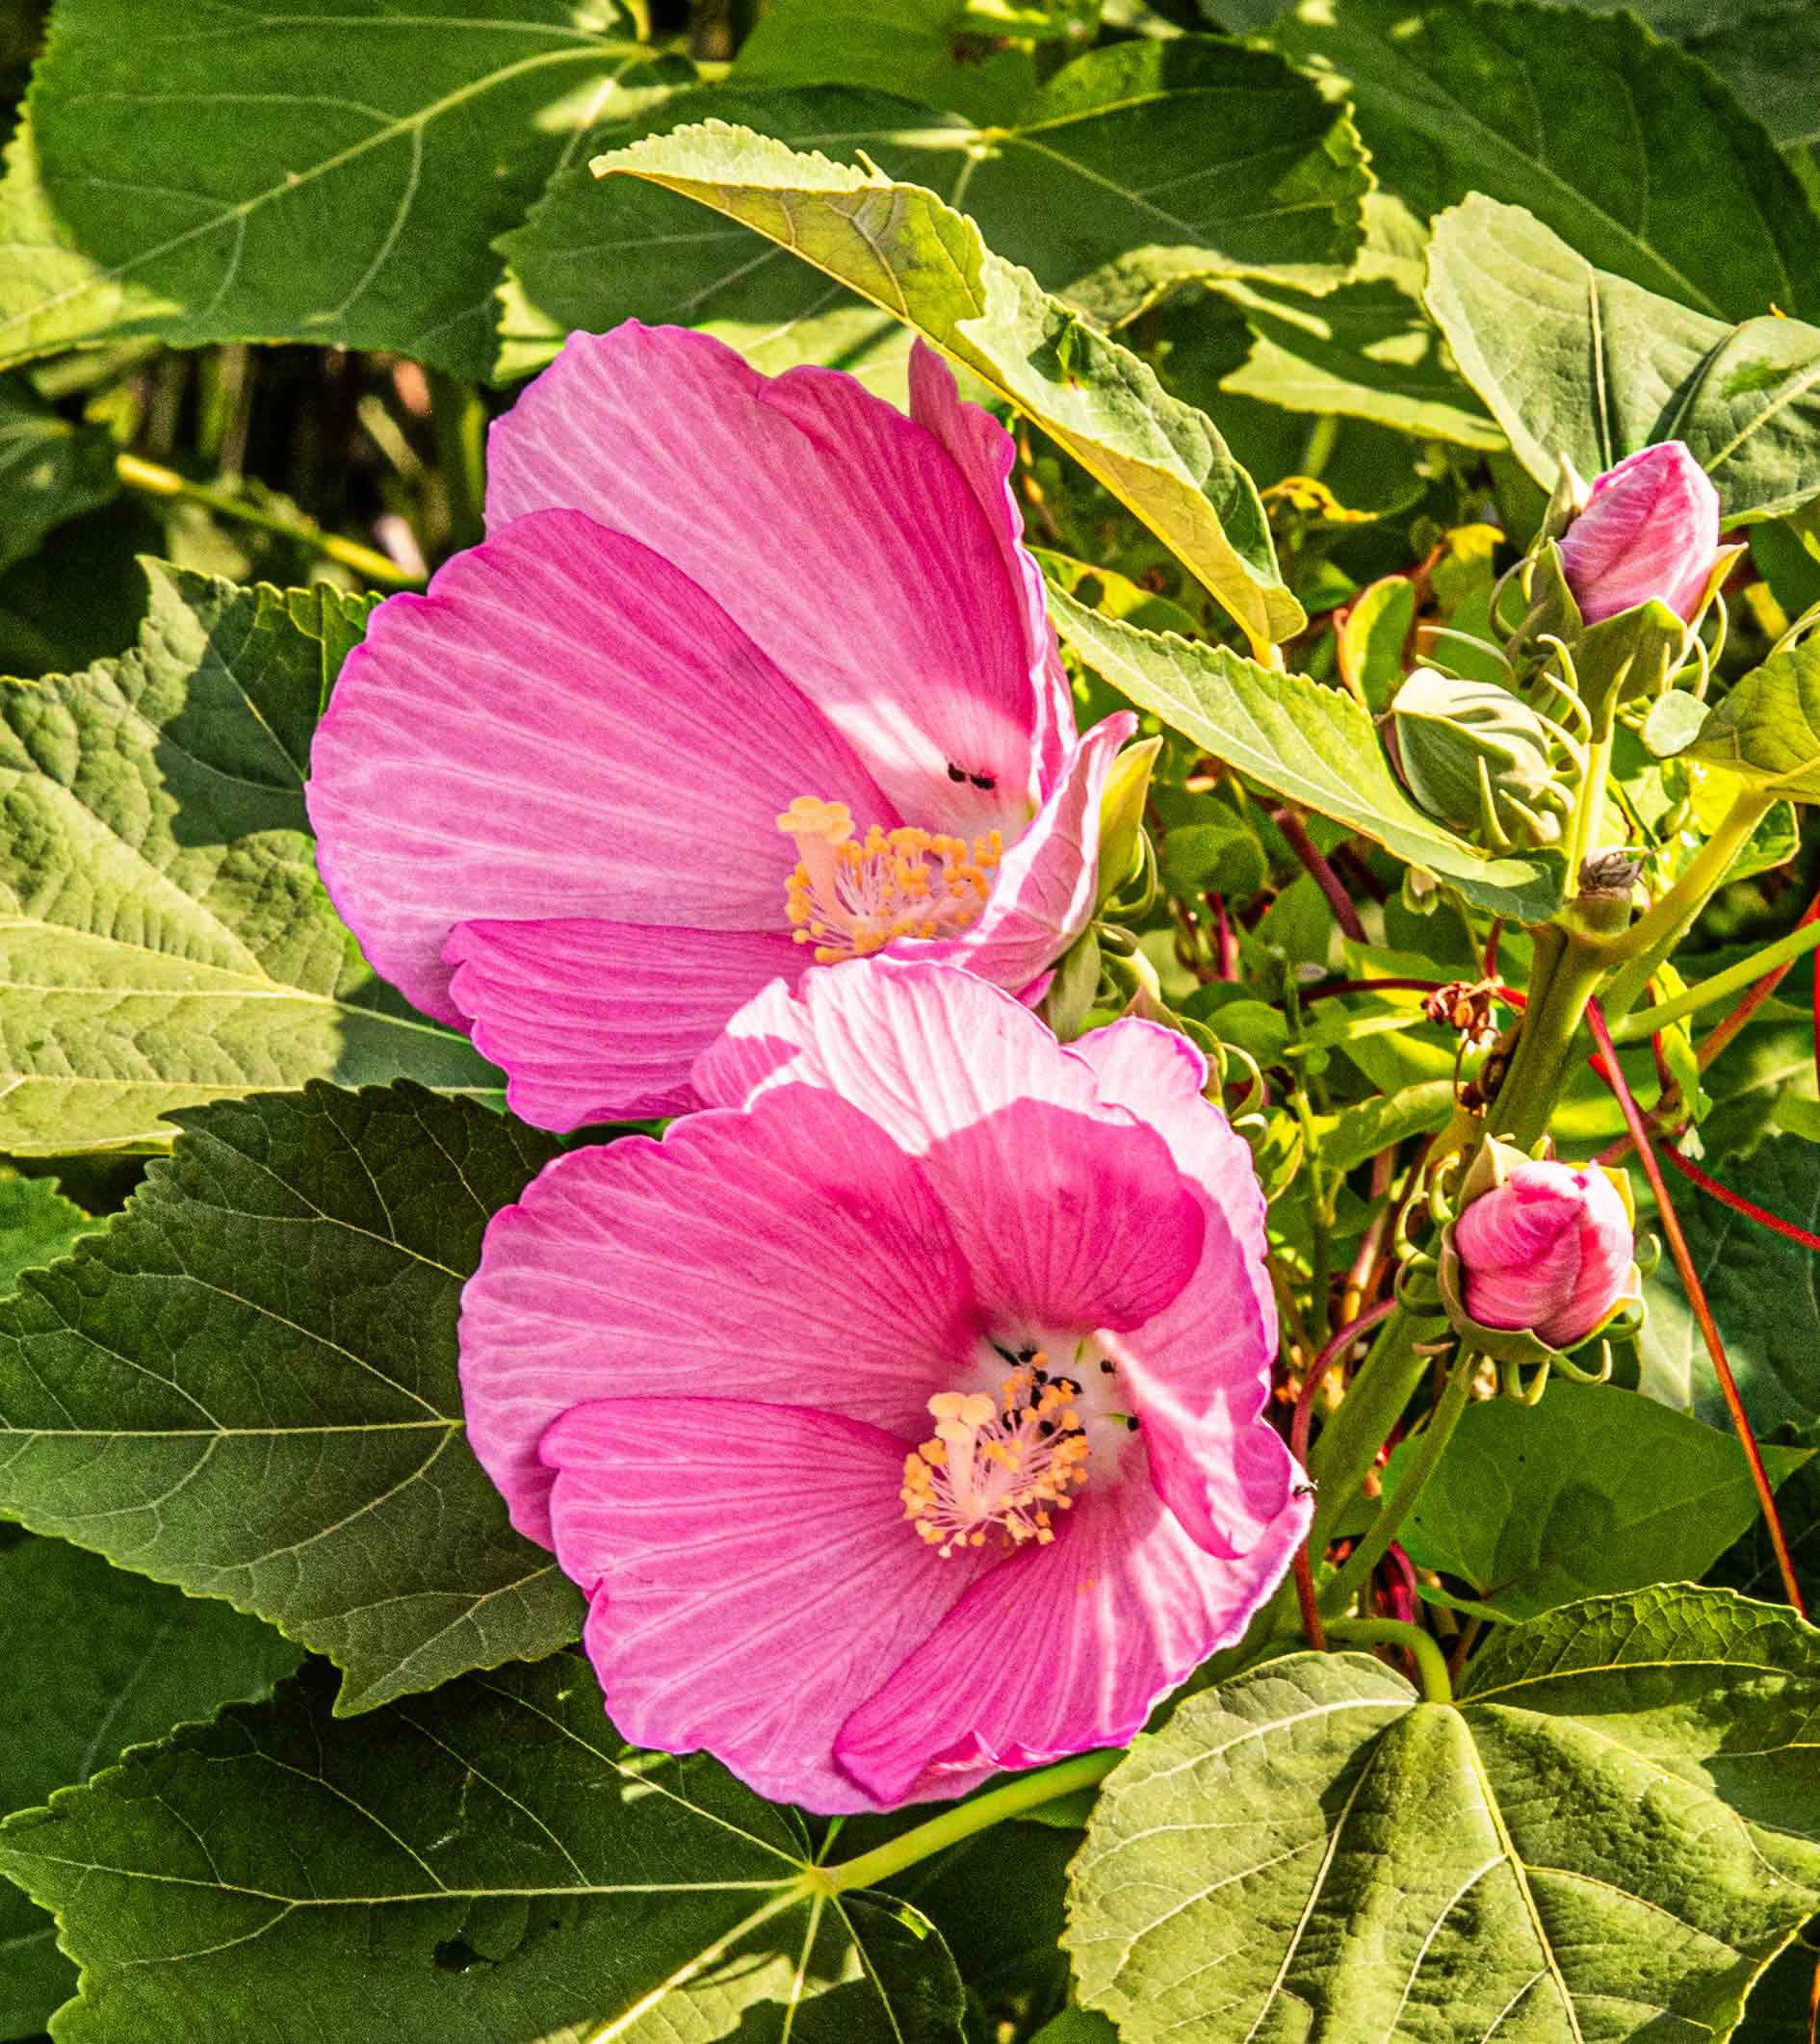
[
  {"x": 49, "y": 469},
  {"x": 901, "y": 247},
  {"x": 1314, "y": 745},
  {"x": 1594, "y": 1490},
  {"x": 330, "y": 172},
  {"x": 1357, "y": 1133},
  {"x": 164, "y": 937},
  {"x": 38, "y": 1225},
  {"x": 1761, "y": 1288},
  {"x": 1576, "y": 361},
  {"x": 246, "y": 1386},
  {"x": 1578, "y": 119},
  {"x": 1607, "y": 1838},
  {"x": 489, "y": 1862},
  {"x": 1136, "y": 165},
  {"x": 98, "y": 1660}
]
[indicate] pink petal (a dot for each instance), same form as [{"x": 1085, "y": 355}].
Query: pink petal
[
  {"x": 1650, "y": 529},
  {"x": 751, "y": 1574},
  {"x": 985, "y": 454},
  {"x": 791, "y": 1253},
  {"x": 1065, "y": 1220},
  {"x": 923, "y": 1049},
  {"x": 1043, "y": 894},
  {"x": 1608, "y": 1256},
  {"x": 839, "y": 534},
  {"x": 564, "y": 726},
  {"x": 602, "y": 1020},
  {"x": 1061, "y": 1648},
  {"x": 1199, "y": 1372}
]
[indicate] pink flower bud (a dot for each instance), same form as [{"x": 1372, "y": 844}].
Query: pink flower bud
[
  {"x": 1650, "y": 529},
  {"x": 1550, "y": 1250}
]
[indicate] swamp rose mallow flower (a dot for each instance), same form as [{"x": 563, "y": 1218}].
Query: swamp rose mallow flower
[
  {"x": 1649, "y": 529},
  {"x": 901, "y": 1415},
  {"x": 1551, "y": 1248},
  {"x": 749, "y": 672}
]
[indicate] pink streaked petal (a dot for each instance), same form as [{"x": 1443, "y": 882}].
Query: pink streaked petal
[
  {"x": 1066, "y": 1221},
  {"x": 838, "y": 532},
  {"x": 765, "y": 1043},
  {"x": 1199, "y": 1372},
  {"x": 926, "y": 1049},
  {"x": 1061, "y": 1648},
  {"x": 602, "y": 1020},
  {"x": 1043, "y": 894},
  {"x": 752, "y": 1578},
  {"x": 790, "y": 1252},
  {"x": 564, "y": 726},
  {"x": 985, "y": 454}
]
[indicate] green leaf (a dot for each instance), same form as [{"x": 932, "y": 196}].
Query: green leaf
[
  {"x": 906, "y": 251},
  {"x": 1370, "y": 642},
  {"x": 246, "y": 1386},
  {"x": 1357, "y": 1133},
  {"x": 1316, "y": 745},
  {"x": 912, "y": 47},
  {"x": 330, "y": 172},
  {"x": 1767, "y": 729},
  {"x": 1364, "y": 350},
  {"x": 487, "y": 1862},
  {"x": 164, "y": 937},
  {"x": 38, "y": 1225},
  {"x": 1760, "y": 1287},
  {"x": 1134, "y": 165},
  {"x": 1576, "y": 119},
  {"x": 49, "y": 469},
  {"x": 98, "y": 1660},
  {"x": 1576, "y": 361},
  {"x": 1593, "y": 1489},
  {"x": 1607, "y": 1838}
]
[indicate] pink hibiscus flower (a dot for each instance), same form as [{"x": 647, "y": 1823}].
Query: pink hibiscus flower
[
  {"x": 901, "y": 1414},
  {"x": 746, "y": 673}
]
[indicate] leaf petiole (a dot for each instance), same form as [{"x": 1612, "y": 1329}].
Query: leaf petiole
[{"x": 1430, "y": 1664}]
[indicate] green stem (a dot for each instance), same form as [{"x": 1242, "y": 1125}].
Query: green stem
[
  {"x": 1430, "y": 1662},
  {"x": 1569, "y": 966},
  {"x": 158, "y": 481},
  {"x": 1638, "y": 1027},
  {"x": 1427, "y": 1449},
  {"x": 961, "y": 1820},
  {"x": 1589, "y": 809},
  {"x": 1652, "y": 936},
  {"x": 1348, "y": 1446}
]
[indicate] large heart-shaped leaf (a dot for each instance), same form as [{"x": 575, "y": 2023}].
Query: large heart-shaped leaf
[
  {"x": 1607, "y": 1837},
  {"x": 1316, "y": 745},
  {"x": 329, "y": 172},
  {"x": 164, "y": 937},
  {"x": 1593, "y": 1489},
  {"x": 98, "y": 1660},
  {"x": 489, "y": 1862},
  {"x": 1134, "y": 165},
  {"x": 901, "y": 247},
  {"x": 1576, "y": 119},
  {"x": 246, "y": 1386},
  {"x": 1577, "y": 361},
  {"x": 1767, "y": 729}
]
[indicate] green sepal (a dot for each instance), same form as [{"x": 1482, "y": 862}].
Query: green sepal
[
  {"x": 1474, "y": 755},
  {"x": 1122, "y": 818}
]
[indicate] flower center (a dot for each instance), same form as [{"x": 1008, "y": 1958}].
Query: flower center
[
  {"x": 1008, "y": 1462},
  {"x": 850, "y": 897}
]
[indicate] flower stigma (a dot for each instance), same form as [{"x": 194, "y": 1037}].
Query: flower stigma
[
  {"x": 1008, "y": 1462},
  {"x": 850, "y": 897}
]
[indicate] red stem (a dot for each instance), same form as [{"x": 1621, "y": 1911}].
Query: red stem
[
  {"x": 1697, "y": 1298},
  {"x": 1299, "y": 1427},
  {"x": 1345, "y": 910}
]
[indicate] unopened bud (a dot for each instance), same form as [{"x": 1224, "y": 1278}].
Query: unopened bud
[
  {"x": 1549, "y": 1249},
  {"x": 1649, "y": 529}
]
